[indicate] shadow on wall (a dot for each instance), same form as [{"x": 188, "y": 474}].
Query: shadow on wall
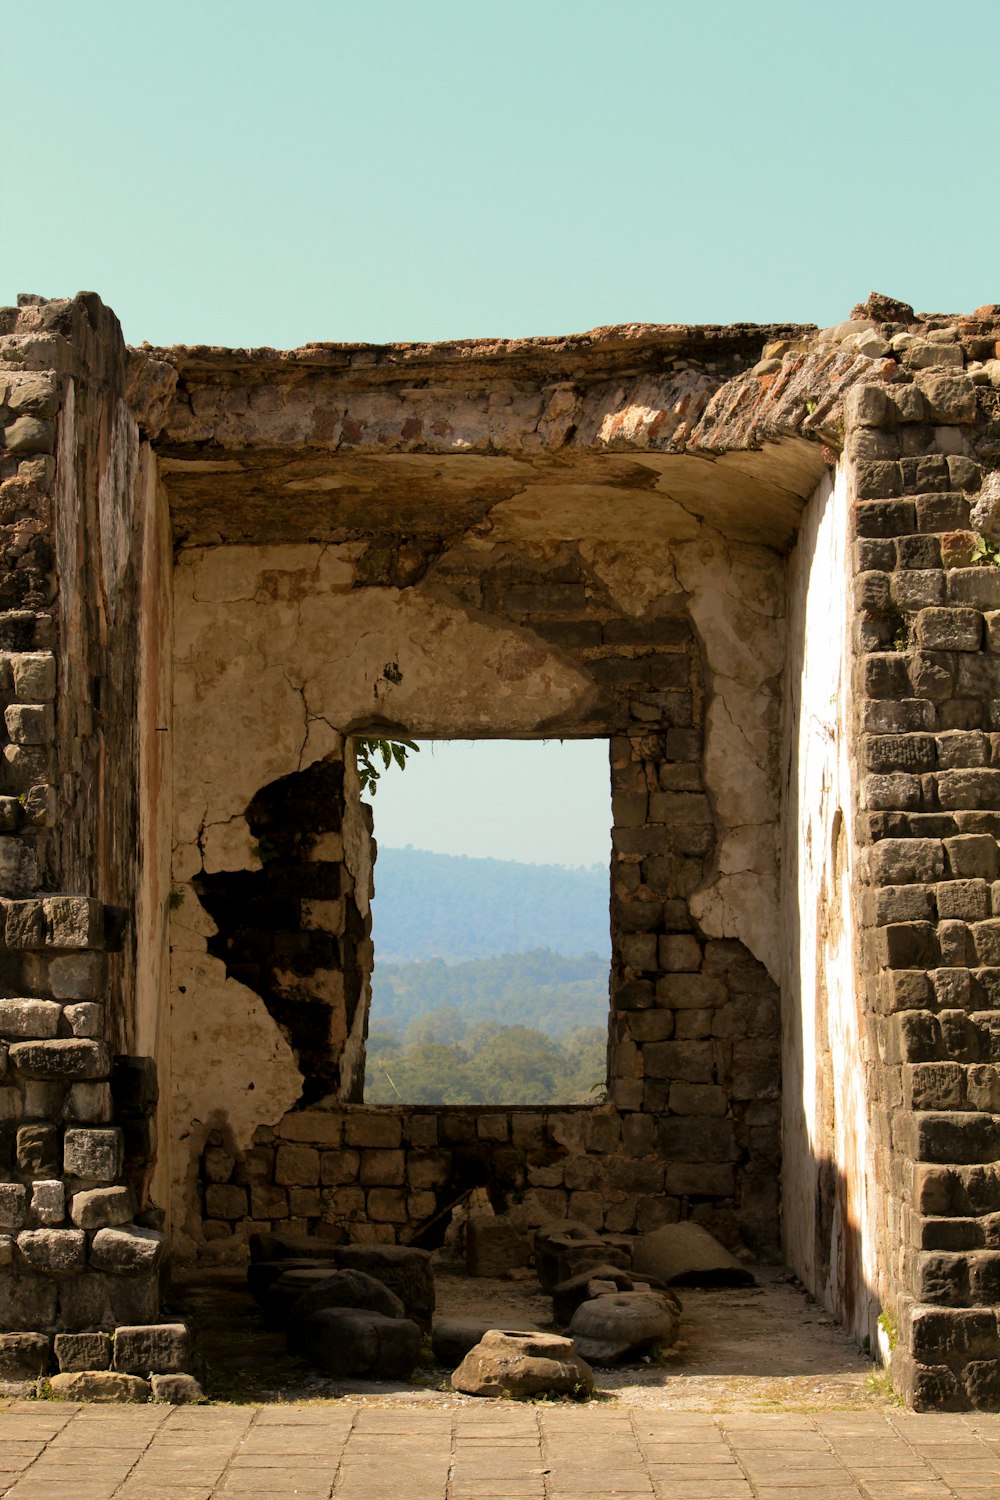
[{"x": 291, "y": 930}]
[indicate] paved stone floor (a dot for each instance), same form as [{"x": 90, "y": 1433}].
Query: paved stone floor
[{"x": 497, "y": 1451}]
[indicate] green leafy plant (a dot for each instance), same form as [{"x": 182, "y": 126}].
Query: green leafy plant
[
  {"x": 887, "y": 1323},
  {"x": 176, "y": 898},
  {"x": 985, "y": 551},
  {"x": 368, "y": 752},
  {"x": 265, "y": 850}
]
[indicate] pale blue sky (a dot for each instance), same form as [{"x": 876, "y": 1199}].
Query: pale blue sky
[
  {"x": 244, "y": 173},
  {"x": 238, "y": 172},
  {"x": 538, "y": 801}
]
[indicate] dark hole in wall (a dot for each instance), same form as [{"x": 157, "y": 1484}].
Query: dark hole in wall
[{"x": 282, "y": 929}]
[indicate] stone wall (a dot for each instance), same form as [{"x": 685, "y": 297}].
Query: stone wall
[
  {"x": 75, "y": 1139},
  {"x": 539, "y": 641},
  {"x": 926, "y": 684}
]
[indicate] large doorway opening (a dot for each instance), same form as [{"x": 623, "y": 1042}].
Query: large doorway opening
[{"x": 490, "y": 925}]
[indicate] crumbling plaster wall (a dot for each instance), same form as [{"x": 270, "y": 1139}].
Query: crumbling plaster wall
[
  {"x": 827, "y": 1191},
  {"x": 279, "y": 653}
]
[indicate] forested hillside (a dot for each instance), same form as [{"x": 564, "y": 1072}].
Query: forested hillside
[
  {"x": 490, "y": 982},
  {"x": 454, "y": 907}
]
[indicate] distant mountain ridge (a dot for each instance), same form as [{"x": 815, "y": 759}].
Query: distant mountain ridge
[{"x": 456, "y": 907}]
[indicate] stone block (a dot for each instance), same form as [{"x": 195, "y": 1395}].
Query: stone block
[
  {"x": 86, "y": 1019},
  {"x": 386, "y": 1205},
  {"x": 23, "y": 1356},
  {"x": 30, "y": 723},
  {"x": 494, "y": 1246},
  {"x": 296, "y": 1166},
  {"x": 23, "y": 924},
  {"x": 34, "y": 1020},
  {"x": 907, "y": 861},
  {"x": 313, "y": 1127},
  {"x": 377, "y": 1130},
  {"x": 698, "y": 1099},
  {"x": 38, "y": 1150},
  {"x": 697, "y": 1139},
  {"x": 13, "y": 1205},
  {"x": 18, "y": 866},
  {"x": 689, "y": 1062},
  {"x": 48, "y": 1201},
  {"x": 74, "y": 921},
  {"x": 99, "y": 1386},
  {"x": 700, "y": 1180},
  {"x": 82, "y": 1351},
  {"x": 163, "y": 1348},
  {"x": 95, "y": 1155},
  {"x": 954, "y": 629},
  {"x": 33, "y": 676},
  {"x": 128, "y": 1251},
  {"x": 64, "y": 1058},
  {"x": 88, "y": 1104},
  {"x": 177, "y": 1390},
  {"x": 55, "y": 1251},
  {"x": 78, "y": 976},
  {"x": 225, "y": 1201},
  {"x": 268, "y": 1202},
  {"x": 96, "y": 1208}
]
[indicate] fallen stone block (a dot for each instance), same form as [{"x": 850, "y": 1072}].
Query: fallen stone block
[
  {"x": 352, "y": 1341},
  {"x": 452, "y": 1338},
  {"x": 261, "y": 1274},
  {"x": 494, "y": 1246},
  {"x": 23, "y": 1356},
  {"x": 687, "y": 1255},
  {"x": 404, "y": 1269},
  {"x": 560, "y": 1256},
  {"x": 515, "y": 1364},
  {"x": 99, "y": 1385},
  {"x": 82, "y": 1351},
  {"x": 594, "y": 1282},
  {"x": 270, "y": 1247},
  {"x": 163, "y": 1348},
  {"x": 178, "y": 1390},
  {"x": 611, "y": 1329},
  {"x": 339, "y": 1289}
]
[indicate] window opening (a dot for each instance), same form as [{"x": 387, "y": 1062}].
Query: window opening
[{"x": 490, "y": 925}]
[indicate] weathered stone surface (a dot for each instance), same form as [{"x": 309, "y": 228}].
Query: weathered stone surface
[
  {"x": 494, "y": 1246},
  {"x": 617, "y": 1326},
  {"x": 560, "y": 1256},
  {"x": 344, "y": 1341},
  {"x": 161, "y": 1347},
  {"x": 94, "y": 1155},
  {"x": 403, "y": 1269},
  {"x": 29, "y": 1019},
  {"x": 178, "y": 1390},
  {"x": 48, "y": 1201},
  {"x": 97, "y": 1208},
  {"x": 126, "y": 1251},
  {"x": 340, "y": 1289},
  {"x": 595, "y": 1281},
  {"x": 58, "y": 1252},
  {"x": 63, "y": 1058},
  {"x": 515, "y": 1364},
  {"x": 452, "y": 1338},
  {"x": 82, "y": 1351},
  {"x": 13, "y": 1205},
  {"x": 687, "y": 1255},
  {"x": 99, "y": 1385},
  {"x": 23, "y": 1356}
]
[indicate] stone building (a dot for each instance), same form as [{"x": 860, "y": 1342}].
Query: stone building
[{"x": 757, "y": 561}]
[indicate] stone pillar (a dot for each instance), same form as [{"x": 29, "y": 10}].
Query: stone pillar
[
  {"x": 927, "y": 596},
  {"x": 73, "y": 1257}
]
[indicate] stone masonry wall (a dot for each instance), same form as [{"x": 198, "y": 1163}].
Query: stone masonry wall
[
  {"x": 928, "y": 688},
  {"x": 694, "y": 1070},
  {"x": 73, "y": 1164}
]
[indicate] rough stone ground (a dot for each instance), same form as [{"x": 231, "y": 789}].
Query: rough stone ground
[
  {"x": 487, "y": 1450},
  {"x": 764, "y": 1399},
  {"x": 763, "y": 1348}
]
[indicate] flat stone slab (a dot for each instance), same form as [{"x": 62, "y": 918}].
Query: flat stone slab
[{"x": 687, "y": 1255}]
